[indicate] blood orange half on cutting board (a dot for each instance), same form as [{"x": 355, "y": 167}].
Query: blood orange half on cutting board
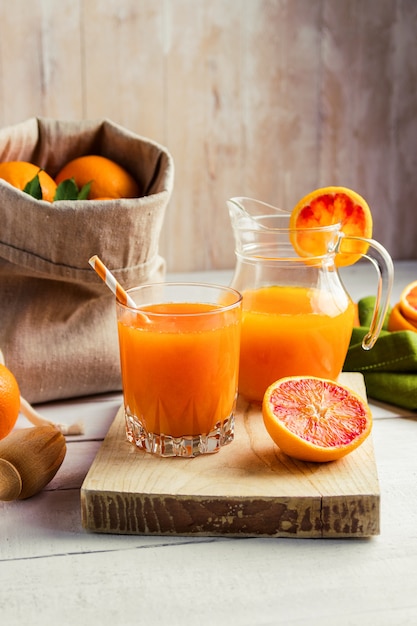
[{"x": 315, "y": 419}]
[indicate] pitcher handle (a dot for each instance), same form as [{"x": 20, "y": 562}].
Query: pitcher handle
[{"x": 381, "y": 259}]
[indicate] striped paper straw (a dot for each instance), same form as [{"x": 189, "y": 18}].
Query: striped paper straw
[{"x": 106, "y": 275}]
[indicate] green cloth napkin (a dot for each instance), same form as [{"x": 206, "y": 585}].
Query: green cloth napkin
[{"x": 390, "y": 367}]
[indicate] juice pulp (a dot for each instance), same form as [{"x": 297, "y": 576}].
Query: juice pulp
[
  {"x": 291, "y": 331},
  {"x": 180, "y": 371}
]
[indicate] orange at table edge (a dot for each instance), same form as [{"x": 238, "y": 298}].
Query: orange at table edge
[
  {"x": 397, "y": 321},
  {"x": 408, "y": 305}
]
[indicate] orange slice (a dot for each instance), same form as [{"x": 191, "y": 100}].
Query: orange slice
[
  {"x": 327, "y": 206},
  {"x": 408, "y": 302},
  {"x": 397, "y": 321},
  {"x": 315, "y": 419}
]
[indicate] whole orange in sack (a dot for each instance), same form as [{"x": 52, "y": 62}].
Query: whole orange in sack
[
  {"x": 9, "y": 401},
  {"x": 20, "y": 173},
  {"x": 108, "y": 179}
]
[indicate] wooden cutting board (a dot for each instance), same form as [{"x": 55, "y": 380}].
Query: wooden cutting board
[{"x": 249, "y": 488}]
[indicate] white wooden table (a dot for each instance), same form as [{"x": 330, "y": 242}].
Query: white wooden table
[{"x": 54, "y": 572}]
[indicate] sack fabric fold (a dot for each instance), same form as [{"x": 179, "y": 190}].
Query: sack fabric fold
[{"x": 58, "y": 329}]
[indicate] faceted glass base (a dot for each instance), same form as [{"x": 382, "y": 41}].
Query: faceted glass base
[{"x": 185, "y": 446}]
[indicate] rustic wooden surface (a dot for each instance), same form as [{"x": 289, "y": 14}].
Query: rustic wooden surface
[
  {"x": 265, "y": 98},
  {"x": 247, "y": 489},
  {"x": 52, "y": 571}
]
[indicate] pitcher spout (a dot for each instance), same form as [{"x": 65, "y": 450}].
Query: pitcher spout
[
  {"x": 257, "y": 226},
  {"x": 254, "y": 214}
]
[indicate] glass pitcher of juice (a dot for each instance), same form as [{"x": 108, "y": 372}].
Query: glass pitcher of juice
[{"x": 297, "y": 317}]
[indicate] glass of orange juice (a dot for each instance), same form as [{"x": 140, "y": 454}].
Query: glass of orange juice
[{"x": 179, "y": 354}]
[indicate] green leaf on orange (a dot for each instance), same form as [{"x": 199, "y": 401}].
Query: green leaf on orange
[
  {"x": 68, "y": 190},
  {"x": 33, "y": 188}
]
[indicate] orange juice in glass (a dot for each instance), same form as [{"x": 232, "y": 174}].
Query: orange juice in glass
[{"x": 179, "y": 354}]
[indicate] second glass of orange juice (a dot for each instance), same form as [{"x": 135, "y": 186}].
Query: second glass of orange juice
[{"x": 179, "y": 352}]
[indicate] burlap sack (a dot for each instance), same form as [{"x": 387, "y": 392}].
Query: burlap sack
[{"x": 58, "y": 327}]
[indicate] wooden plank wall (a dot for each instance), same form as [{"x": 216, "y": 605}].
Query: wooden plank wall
[{"x": 265, "y": 98}]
